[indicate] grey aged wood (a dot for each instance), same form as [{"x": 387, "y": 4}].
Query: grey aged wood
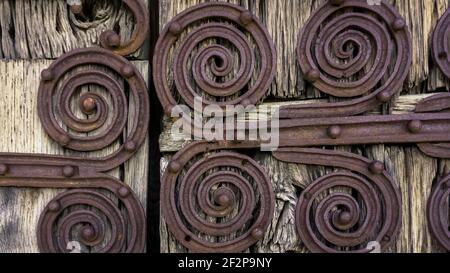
[
  {"x": 413, "y": 171},
  {"x": 45, "y": 29},
  {"x": 32, "y": 33}
]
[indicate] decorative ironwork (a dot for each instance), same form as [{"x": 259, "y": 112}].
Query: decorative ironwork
[
  {"x": 111, "y": 40},
  {"x": 85, "y": 175},
  {"x": 343, "y": 211},
  {"x": 438, "y": 212},
  {"x": 200, "y": 52},
  {"x": 50, "y": 95},
  {"x": 222, "y": 194},
  {"x": 440, "y": 46},
  {"x": 349, "y": 49}
]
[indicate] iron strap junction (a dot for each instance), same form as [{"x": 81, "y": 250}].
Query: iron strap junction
[{"x": 214, "y": 198}]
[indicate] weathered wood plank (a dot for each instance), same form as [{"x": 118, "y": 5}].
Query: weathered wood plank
[{"x": 45, "y": 29}]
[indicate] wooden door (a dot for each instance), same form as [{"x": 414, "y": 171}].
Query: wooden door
[
  {"x": 414, "y": 172},
  {"x": 35, "y": 33}
]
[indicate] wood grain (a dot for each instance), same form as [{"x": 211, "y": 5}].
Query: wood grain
[{"x": 45, "y": 29}]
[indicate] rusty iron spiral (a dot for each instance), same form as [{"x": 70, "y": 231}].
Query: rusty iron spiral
[
  {"x": 345, "y": 211},
  {"x": 223, "y": 202},
  {"x": 438, "y": 212},
  {"x": 440, "y": 44},
  {"x": 349, "y": 49},
  {"x": 58, "y": 87},
  {"x": 85, "y": 216},
  {"x": 202, "y": 66}
]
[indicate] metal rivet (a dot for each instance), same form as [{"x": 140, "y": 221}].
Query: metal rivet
[
  {"x": 223, "y": 200},
  {"x": 337, "y": 2},
  {"x": 3, "y": 169},
  {"x": 174, "y": 167},
  {"x": 127, "y": 71},
  {"x": 257, "y": 233},
  {"x": 344, "y": 217},
  {"x": 383, "y": 96},
  {"x": 376, "y": 167},
  {"x": 168, "y": 110},
  {"x": 88, "y": 105},
  {"x": 88, "y": 233},
  {"x": 307, "y": 195},
  {"x": 64, "y": 140},
  {"x": 334, "y": 131},
  {"x": 246, "y": 102},
  {"x": 398, "y": 24},
  {"x": 68, "y": 171},
  {"x": 175, "y": 28},
  {"x": 113, "y": 39},
  {"x": 312, "y": 75},
  {"x": 130, "y": 146},
  {"x": 54, "y": 206},
  {"x": 76, "y": 9},
  {"x": 414, "y": 126},
  {"x": 123, "y": 192},
  {"x": 246, "y": 17},
  {"x": 47, "y": 75}
]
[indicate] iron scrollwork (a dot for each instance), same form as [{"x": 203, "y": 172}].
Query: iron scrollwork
[
  {"x": 348, "y": 49},
  {"x": 212, "y": 25},
  {"x": 222, "y": 194},
  {"x": 98, "y": 210}
]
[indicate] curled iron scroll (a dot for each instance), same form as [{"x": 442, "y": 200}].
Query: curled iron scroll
[
  {"x": 111, "y": 40},
  {"x": 350, "y": 49},
  {"x": 219, "y": 76},
  {"x": 345, "y": 221},
  {"x": 223, "y": 202},
  {"x": 58, "y": 87}
]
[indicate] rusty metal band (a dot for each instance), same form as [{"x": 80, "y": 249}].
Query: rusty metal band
[
  {"x": 440, "y": 44},
  {"x": 212, "y": 66},
  {"x": 428, "y": 128},
  {"x": 435, "y": 104},
  {"x": 222, "y": 194},
  {"x": 112, "y": 41},
  {"x": 369, "y": 72},
  {"x": 438, "y": 212},
  {"x": 345, "y": 221},
  {"x": 54, "y": 105},
  {"x": 412, "y": 128}
]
